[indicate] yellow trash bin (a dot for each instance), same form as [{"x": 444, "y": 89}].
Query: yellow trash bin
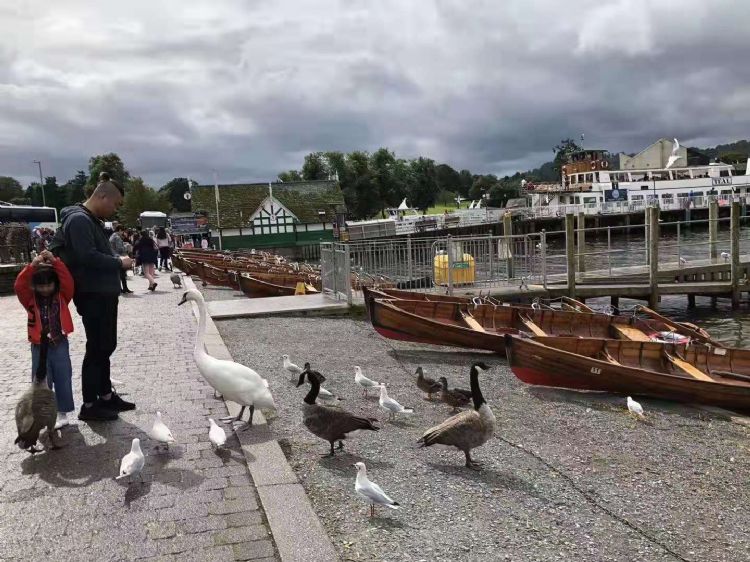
[{"x": 463, "y": 270}]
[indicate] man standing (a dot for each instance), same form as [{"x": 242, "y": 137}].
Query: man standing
[{"x": 83, "y": 245}]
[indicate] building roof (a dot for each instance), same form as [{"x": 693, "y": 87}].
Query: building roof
[{"x": 238, "y": 202}]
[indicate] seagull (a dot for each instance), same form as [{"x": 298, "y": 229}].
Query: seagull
[
  {"x": 295, "y": 370},
  {"x": 160, "y": 432},
  {"x": 683, "y": 261},
  {"x": 635, "y": 408},
  {"x": 674, "y": 157},
  {"x": 524, "y": 283},
  {"x": 216, "y": 434},
  {"x": 373, "y": 493},
  {"x": 133, "y": 462},
  {"x": 390, "y": 405},
  {"x": 323, "y": 394},
  {"x": 725, "y": 255},
  {"x": 364, "y": 382}
]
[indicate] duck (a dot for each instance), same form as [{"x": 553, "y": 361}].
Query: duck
[
  {"x": 364, "y": 382},
  {"x": 291, "y": 368},
  {"x": 323, "y": 394},
  {"x": 466, "y": 430},
  {"x": 371, "y": 492},
  {"x": 176, "y": 280},
  {"x": 426, "y": 384},
  {"x": 455, "y": 397},
  {"x": 36, "y": 408},
  {"x": 330, "y": 423},
  {"x": 390, "y": 405},
  {"x": 233, "y": 381}
]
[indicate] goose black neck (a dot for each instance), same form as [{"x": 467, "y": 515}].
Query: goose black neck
[
  {"x": 314, "y": 389},
  {"x": 41, "y": 370},
  {"x": 476, "y": 394}
]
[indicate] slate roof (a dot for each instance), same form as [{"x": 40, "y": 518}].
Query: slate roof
[{"x": 303, "y": 198}]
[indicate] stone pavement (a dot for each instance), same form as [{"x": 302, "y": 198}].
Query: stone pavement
[{"x": 64, "y": 504}]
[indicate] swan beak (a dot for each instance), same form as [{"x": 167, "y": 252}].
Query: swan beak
[{"x": 183, "y": 301}]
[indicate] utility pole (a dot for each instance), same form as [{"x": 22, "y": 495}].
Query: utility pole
[
  {"x": 216, "y": 198},
  {"x": 41, "y": 182}
]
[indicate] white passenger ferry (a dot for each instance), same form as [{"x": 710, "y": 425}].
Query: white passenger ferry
[{"x": 588, "y": 184}]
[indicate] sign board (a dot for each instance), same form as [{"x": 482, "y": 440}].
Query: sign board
[
  {"x": 724, "y": 180},
  {"x": 461, "y": 265},
  {"x": 197, "y": 224},
  {"x": 615, "y": 195}
]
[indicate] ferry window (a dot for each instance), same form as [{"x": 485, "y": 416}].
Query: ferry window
[
  {"x": 723, "y": 173},
  {"x": 681, "y": 175},
  {"x": 668, "y": 198},
  {"x": 589, "y": 200},
  {"x": 637, "y": 198},
  {"x": 578, "y": 200},
  {"x": 725, "y": 191},
  {"x": 698, "y": 194},
  {"x": 596, "y": 176},
  {"x": 589, "y": 178},
  {"x": 645, "y": 187}
]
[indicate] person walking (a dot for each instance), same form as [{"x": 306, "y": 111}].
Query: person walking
[
  {"x": 164, "y": 244},
  {"x": 44, "y": 288},
  {"x": 145, "y": 250},
  {"x": 119, "y": 249},
  {"x": 83, "y": 246}
]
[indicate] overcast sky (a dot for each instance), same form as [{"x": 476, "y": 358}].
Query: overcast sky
[{"x": 249, "y": 87}]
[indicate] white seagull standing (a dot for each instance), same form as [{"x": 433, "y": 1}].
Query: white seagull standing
[
  {"x": 290, "y": 367},
  {"x": 133, "y": 462},
  {"x": 683, "y": 261},
  {"x": 370, "y": 491},
  {"x": 160, "y": 432},
  {"x": 674, "y": 157},
  {"x": 364, "y": 382},
  {"x": 390, "y": 405},
  {"x": 216, "y": 434},
  {"x": 635, "y": 408},
  {"x": 725, "y": 255}
]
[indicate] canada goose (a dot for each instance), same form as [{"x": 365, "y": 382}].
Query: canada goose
[
  {"x": 455, "y": 397},
  {"x": 330, "y": 423},
  {"x": 370, "y": 491},
  {"x": 364, "y": 382},
  {"x": 426, "y": 384},
  {"x": 323, "y": 394},
  {"x": 466, "y": 430},
  {"x": 234, "y": 381},
  {"x": 37, "y": 408}
]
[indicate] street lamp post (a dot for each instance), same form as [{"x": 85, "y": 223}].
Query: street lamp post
[{"x": 41, "y": 182}]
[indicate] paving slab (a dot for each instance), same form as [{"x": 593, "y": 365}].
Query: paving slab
[
  {"x": 65, "y": 504},
  {"x": 271, "y": 306}
]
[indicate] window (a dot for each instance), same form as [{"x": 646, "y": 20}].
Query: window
[
  {"x": 723, "y": 173},
  {"x": 637, "y": 198},
  {"x": 667, "y": 198},
  {"x": 645, "y": 187},
  {"x": 589, "y": 178}
]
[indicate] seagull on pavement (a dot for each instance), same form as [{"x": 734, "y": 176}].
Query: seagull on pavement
[
  {"x": 290, "y": 367},
  {"x": 216, "y": 434},
  {"x": 364, "y": 382},
  {"x": 390, "y": 405},
  {"x": 133, "y": 462},
  {"x": 635, "y": 408},
  {"x": 370, "y": 491},
  {"x": 160, "y": 432}
]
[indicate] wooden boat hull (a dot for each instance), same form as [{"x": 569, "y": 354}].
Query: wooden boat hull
[
  {"x": 257, "y": 287},
  {"x": 554, "y": 362}
]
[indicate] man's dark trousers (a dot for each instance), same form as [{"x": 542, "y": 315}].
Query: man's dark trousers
[{"x": 99, "y": 314}]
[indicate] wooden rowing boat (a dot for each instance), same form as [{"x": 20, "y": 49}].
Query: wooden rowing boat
[
  {"x": 480, "y": 326},
  {"x": 683, "y": 372},
  {"x": 269, "y": 285}
]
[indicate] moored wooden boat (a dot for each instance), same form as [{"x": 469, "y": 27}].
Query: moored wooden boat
[
  {"x": 480, "y": 326},
  {"x": 269, "y": 285},
  {"x": 683, "y": 372}
]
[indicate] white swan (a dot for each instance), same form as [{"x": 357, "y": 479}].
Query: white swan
[{"x": 235, "y": 382}]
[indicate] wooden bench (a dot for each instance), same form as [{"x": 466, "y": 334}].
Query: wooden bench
[
  {"x": 471, "y": 322},
  {"x": 687, "y": 368},
  {"x": 529, "y": 323},
  {"x": 630, "y": 333}
]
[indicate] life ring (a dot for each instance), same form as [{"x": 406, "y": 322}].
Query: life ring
[
  {"x": 605, "y": 164},
  {"x": 593, "y": 165}
]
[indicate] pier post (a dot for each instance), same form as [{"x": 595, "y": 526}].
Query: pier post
[
  {"x": 570, "y": 253},
  {"x": 508, "y": 233},
  {"x": 713, "y": 227},
  {"x": 652, "y": 215},
  {"x": 691, "y": 301},
  {"x": 614, "y": 301},
  {"x": 581, "y": 242},
  {"x": 734, "y": 227}
]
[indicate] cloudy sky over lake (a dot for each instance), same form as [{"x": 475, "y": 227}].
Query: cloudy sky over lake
[{"x": 249, "y": 87}]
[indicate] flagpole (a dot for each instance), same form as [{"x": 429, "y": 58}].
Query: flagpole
[{"x": 216, "y": 198}]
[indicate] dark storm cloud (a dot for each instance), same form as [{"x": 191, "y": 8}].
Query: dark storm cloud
[{"x": 248, "y": 89}]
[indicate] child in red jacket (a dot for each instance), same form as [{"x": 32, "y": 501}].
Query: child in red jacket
[{"x": 45, "y": 288}]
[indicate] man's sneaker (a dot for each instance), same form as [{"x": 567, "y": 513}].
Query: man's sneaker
[
  {"x": 96, "y": 412},
  {"x": 62, "y": 420},
  {"x": 116, "y": 403}
]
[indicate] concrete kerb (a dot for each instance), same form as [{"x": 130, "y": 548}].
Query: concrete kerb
[{"x": 297, "y": 531}]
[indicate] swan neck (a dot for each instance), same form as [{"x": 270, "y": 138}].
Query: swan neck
[{"x": 200, "y": 349}]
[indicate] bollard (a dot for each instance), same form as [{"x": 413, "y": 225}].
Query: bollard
[
  {"x": 581, "y": 242},
  {"x": 508, "y": 233},
  {"x": 713, "y": 228},
  {"x": 570, "y": 253},
  {"x": 653, "y": 244},
  {"x": 734, "y": 227}
]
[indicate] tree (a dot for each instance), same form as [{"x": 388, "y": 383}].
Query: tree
[
  {"x": 506, "y": 188},
  {"x": 447, "y": 178},
  {"x": 75, "y": 189},
  {"x": 54, "y": 194},
  {"x": 423, "y": 188},
  {"x": 382, "y": 163},
  {"x": 563, "y": 150},
  {"x": 314, "y": 167},
  {"x": 362, "y": 192},
  {"x": 482, "y": 185},
  {"x": 110, "y": 163},
  {"x": 291, "y": 175},
  {"x": 33, "y": 194},
  {"x": 10, "y": 188},
  {"x": 466, "y": 180},
  {"x": 733, "y": 157},
  {"x": 138, "y": 198},
  {"x": 174, "y": 192}
]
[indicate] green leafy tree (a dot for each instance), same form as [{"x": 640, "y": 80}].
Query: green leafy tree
[
  {"x": 466, "y": 180},
  {"x": 110, "y": 163},
  {"x": 174, "y": 192},
  {"x": 53, "y": 193},
  {"x": 290, "y": 175},
  {"x": 314, "y": 167},
  {"x": 33, "y": 194},
  {"x": 75, "y": 189},
  {"x": 362, "y": 191},
  {"x": 563, "y": 150},
  {"x": 10, "y": 189},
  {"x": 423, "y": 188},
  {"x": 733, "y": 157},
  {"x": 138, "y": 198},
  {"x": 382, "y": 163},
  {"x": 447, "y": 178},
  {"x": 482, "y": 185}
]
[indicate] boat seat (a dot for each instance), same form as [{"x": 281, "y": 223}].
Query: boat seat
[
  {"x": 471, "y": 321},
  {"x": 533, "y": 328},
  {"x": 630, "y": 333},
  {"x": 608, "y": 358},
  {"x": 686, "y": 367}
]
